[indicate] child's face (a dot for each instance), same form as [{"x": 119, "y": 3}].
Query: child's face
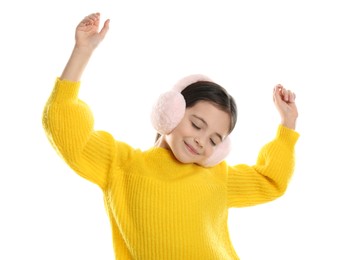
[{"x": 203, "y": 127}]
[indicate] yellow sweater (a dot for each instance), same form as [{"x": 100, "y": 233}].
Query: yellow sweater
[{"x": 160, "y": 209}]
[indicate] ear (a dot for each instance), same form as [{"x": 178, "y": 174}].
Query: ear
[
  {"x": 169, "y": 108},
  {"x": 219, "y": 154},
  {"x": 168, "y": 111}
]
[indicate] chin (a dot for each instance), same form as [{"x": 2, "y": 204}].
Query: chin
[{"x": 182, "y": 159}]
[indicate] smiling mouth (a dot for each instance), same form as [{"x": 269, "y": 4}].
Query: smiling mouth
[{"x": 191, "y": 149}]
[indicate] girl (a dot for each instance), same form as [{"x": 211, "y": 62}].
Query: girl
[{"x": 171, "y": 201}]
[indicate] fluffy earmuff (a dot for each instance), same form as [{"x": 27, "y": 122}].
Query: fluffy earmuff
[{"x": 169, "y": 110}]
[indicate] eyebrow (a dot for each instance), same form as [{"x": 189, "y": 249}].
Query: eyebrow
[{"x": 203, "y": 120}]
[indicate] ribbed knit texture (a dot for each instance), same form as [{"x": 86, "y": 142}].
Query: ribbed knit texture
[{"x": 160, "y": 209}]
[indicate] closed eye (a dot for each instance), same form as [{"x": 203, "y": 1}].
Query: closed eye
[{"x": 195, "y": 126}]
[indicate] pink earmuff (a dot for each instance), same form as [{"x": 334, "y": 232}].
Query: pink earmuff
[{"x": 169, "y": 110}]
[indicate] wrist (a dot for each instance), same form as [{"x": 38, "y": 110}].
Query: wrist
[
  {"x": 83, "y": 51},
  {"x": 289, "y": 123}
]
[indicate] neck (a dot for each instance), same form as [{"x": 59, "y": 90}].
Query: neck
[{"x": 162, "y": 142}]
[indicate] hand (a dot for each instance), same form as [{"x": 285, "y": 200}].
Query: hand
[
  {"x": 87, "y": 33},
  {"x": 285, "y": 103},
  {"x": 87, "y": 38}
]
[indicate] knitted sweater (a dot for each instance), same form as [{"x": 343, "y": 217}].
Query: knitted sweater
[{"x": 159, "y": 208}]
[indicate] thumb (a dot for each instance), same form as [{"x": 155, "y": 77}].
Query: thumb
[
  {"x": 104, "y": 29},
  {"x": 277, "y": 94}
]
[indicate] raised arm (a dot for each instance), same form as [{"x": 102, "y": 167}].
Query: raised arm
[
  {"x": 87, "y": 38},
  {"x": 68, "y": 121},
  {"x": 268, "y": 178}
]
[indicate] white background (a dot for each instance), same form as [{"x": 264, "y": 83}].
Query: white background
[{"x": 48, "y": 212}]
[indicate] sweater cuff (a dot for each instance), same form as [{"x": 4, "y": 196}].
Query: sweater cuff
[
  {"x": 287, "y": 135},
  {"x": 65, "y": 90}
]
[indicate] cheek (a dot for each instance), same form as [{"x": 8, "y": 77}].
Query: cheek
[
  {"x": 184, "y": 128},
  {"x": 209, "y": 150},
  {"x": 177, "y": 134}
]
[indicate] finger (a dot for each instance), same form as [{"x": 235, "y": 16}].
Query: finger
[
  {"x": 277, "y": 92},
  {"x": 292, "y": 97},
  {"x": 277, "y": 88},
  {"x": 91, "y": 19},
  {"x": 288, "y": 95},
  {"x": 285, "y": 94},
  {"x": 96, "y": 18},
  {"x": 105, "y": 29}
]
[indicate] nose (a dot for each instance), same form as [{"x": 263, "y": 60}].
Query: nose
[{"x": 198, "y": 142}]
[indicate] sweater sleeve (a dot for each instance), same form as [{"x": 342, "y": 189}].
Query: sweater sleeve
[
  {"x": 269, "y": 177},
  {"x": 68, "y": 123}
]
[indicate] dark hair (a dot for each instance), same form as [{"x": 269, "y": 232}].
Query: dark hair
[{"x": 214, "y": 93}]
